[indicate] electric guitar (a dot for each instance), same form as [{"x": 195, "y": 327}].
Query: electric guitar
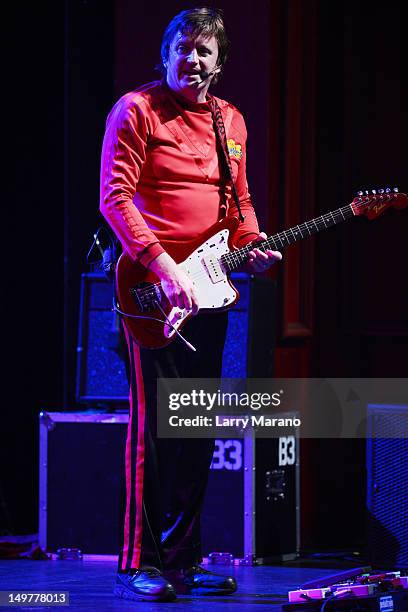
[{"x": 208, "y": 260}]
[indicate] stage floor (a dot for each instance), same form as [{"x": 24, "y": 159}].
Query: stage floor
[{"x": 90, "y": 585}]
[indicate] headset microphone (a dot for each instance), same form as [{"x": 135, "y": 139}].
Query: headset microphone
[{"x": 204, "y": 74}]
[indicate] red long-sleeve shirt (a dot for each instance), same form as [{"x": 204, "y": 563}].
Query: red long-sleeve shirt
[{"x": 160, "y": 174}]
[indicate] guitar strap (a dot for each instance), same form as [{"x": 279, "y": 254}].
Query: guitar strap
[{"x": 219, "y": 128}]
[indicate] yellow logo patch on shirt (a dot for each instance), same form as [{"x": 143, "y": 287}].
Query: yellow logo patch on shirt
[{"x": 234, "y": 149}]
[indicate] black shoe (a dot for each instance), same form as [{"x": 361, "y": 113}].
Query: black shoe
[
  {"x": 144, "y": 584},
  {"x": 198, "y": 581}
]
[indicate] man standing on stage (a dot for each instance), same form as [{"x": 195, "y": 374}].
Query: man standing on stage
[{"x": 163, "y": 178}]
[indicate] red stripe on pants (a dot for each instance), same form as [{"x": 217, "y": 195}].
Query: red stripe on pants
[{"x": 136, "y": 412}]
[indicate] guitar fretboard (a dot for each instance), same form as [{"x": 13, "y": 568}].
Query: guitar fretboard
[{"x": 277, "y": 242}]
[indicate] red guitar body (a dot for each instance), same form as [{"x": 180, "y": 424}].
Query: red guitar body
[{"x": 151, "y": 330}]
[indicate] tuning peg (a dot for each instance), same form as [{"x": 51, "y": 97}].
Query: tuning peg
[
  {"x": 381, "y": 191},
  {"x": 388, "y": 190},
  {"x": 359, "y": 193},
  {"x": 373, "y": 191},
  {"x": 395, "y": 190}
]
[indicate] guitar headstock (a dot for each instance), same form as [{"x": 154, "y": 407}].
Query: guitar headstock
[{"x": 373, "y": 203}]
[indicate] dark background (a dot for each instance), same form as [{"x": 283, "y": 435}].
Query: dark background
[{"x": 321, "y": 86}]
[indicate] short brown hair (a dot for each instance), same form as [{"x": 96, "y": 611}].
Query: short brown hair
[{"x": 195, "y": 22}]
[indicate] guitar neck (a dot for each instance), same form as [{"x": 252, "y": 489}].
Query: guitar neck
[{"x": 277, "y": 242}]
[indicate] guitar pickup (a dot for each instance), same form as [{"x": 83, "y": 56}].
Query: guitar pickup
[
  {"x": 146, "y": 295},
  {"x": 213, "y": 267}
]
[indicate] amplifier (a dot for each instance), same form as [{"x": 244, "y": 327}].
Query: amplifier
[
  {"x": 387, "y": 490},
  {"x": 250, "y": 342},
  {"x": 101, "y": 366},
  {"x": 101, "y": 354},
  {"x": 251, "y": 509}
]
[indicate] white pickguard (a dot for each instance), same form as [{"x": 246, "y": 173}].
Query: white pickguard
[{"x": 208, "y": 277}]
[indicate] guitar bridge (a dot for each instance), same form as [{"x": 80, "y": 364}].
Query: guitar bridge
[{"x": 146, "y": 295}]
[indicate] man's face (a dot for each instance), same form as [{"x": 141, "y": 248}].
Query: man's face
[{"x": 187, "y": 58}]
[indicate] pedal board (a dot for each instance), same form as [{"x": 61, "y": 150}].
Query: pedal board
[{"x": 352, "y": 591}]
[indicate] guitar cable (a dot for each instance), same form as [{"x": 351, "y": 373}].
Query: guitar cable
[
  {"x": 152, "y": 536},
  {"x": 108, "y": 267},
  {"x": 165, "y": 320},
  {"x": 342, "y": 593},
  {"x": 186, "y": 342},
  {"x": 108, "y": 254}
]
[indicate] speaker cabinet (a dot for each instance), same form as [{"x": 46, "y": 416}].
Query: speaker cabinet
[
  {"x": 250, "y": 342},
  {"x": 101, "y": 365},
  {"x": 387, "y": 486},
  {"x": 101, "y": 353}
]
